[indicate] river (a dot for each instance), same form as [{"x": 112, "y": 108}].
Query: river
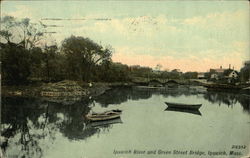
[{"x": 37, "y": 128}]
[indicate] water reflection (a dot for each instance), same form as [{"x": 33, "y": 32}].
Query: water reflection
[
  {"x": 26, "y": 121},
  {"x": 196, "y": 112},
  {"x": 230, "y": 99},
  {"x": 33, "y": 119},
  {"x": 104, "y": 123},
  {"x": 119, "y": 96}
]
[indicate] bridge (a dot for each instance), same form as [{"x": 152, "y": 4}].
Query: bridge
[
  {"x": 165, "y": 81},
  {"x": 157, "y": 81}
]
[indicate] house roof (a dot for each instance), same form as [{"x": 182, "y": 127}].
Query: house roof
[
  {"x": 229, "y": 71},
  {"x": 218, "y": 70}
]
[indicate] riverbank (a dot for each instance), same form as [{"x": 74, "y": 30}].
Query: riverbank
[
  {"x": 64, "y": 88},
  {"x": 72, "y": 90}
]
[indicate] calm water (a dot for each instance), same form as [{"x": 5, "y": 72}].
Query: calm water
[{"x": 41, "y": 129}]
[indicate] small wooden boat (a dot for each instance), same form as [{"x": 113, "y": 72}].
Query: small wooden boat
[
  {"x": 107, "y": 115},
  {"x": 184, "y": 106}
]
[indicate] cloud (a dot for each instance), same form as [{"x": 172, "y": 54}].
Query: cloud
[
  {"x": 23, "y": 11},
  {"x": 131, "y": 26},
  {"x": 219, "y": 20},
  {"x": 241, "y": 49}
]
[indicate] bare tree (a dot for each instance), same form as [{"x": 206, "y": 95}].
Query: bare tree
[{"x": 21, "y": 31}]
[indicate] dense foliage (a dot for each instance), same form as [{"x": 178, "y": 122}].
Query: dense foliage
[
  {"x": 245, "y": 72},
  {"x": 15, "y": 63}
]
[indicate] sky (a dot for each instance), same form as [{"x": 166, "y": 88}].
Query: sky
[{"x": 185, "y": 35}]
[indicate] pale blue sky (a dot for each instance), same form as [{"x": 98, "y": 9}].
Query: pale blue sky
[{"x": 188, "y": 35}]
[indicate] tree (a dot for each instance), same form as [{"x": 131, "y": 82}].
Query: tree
[
  {"x": 116, "y": 72},
  {"x": 175, "y": 74},
  {"x": 83, "y": 55},
  {"x": 53, "y": 64},
  {"x": 19, "y": 39},
  {"x": 245, "y": 72},
  {"x": 8, "y": 24},
  {"x": 165, "y": 74},
  {"x": 21, "y": 31},
  {"x": 139, "y": 71},
  {"x": 36, "y": 56},
  {"x": 15, "y": 61},
  {"x": 190, "y": 75}
]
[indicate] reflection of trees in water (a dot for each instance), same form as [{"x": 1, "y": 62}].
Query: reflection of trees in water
[
  {"x": 245, "y": 102},
  {"x": 23, "y": 117},
  {"x": 118, "y": 96},
  {"x": 220, "y": 98},
  {"x": 229, "y": 99},
  {"x": 73, "y": 122},
  {"x": 14, "y": 114},
  {"x": 176, "y": 93},
  {"x": 30, "y": 120}
]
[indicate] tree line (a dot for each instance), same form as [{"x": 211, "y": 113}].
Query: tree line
[{"x": 26, "y": 56}]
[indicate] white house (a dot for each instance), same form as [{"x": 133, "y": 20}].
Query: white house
[{"x": 231, "y": 74}]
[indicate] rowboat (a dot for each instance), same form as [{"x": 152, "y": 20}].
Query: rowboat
[
  {"x": 107, "y": 115},
  {"x": 184, "y": 106}
]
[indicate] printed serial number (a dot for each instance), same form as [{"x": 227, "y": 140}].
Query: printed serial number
[{"x": 239, "y": 146}]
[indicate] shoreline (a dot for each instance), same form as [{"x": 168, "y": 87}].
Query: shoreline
[{"x": 83, "y": 90}]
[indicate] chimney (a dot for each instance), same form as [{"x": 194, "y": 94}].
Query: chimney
[
  {"x": 220, "y": 67},
  {"x": 233, "y": 67},
  {"x": 229, "y": 66}
]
